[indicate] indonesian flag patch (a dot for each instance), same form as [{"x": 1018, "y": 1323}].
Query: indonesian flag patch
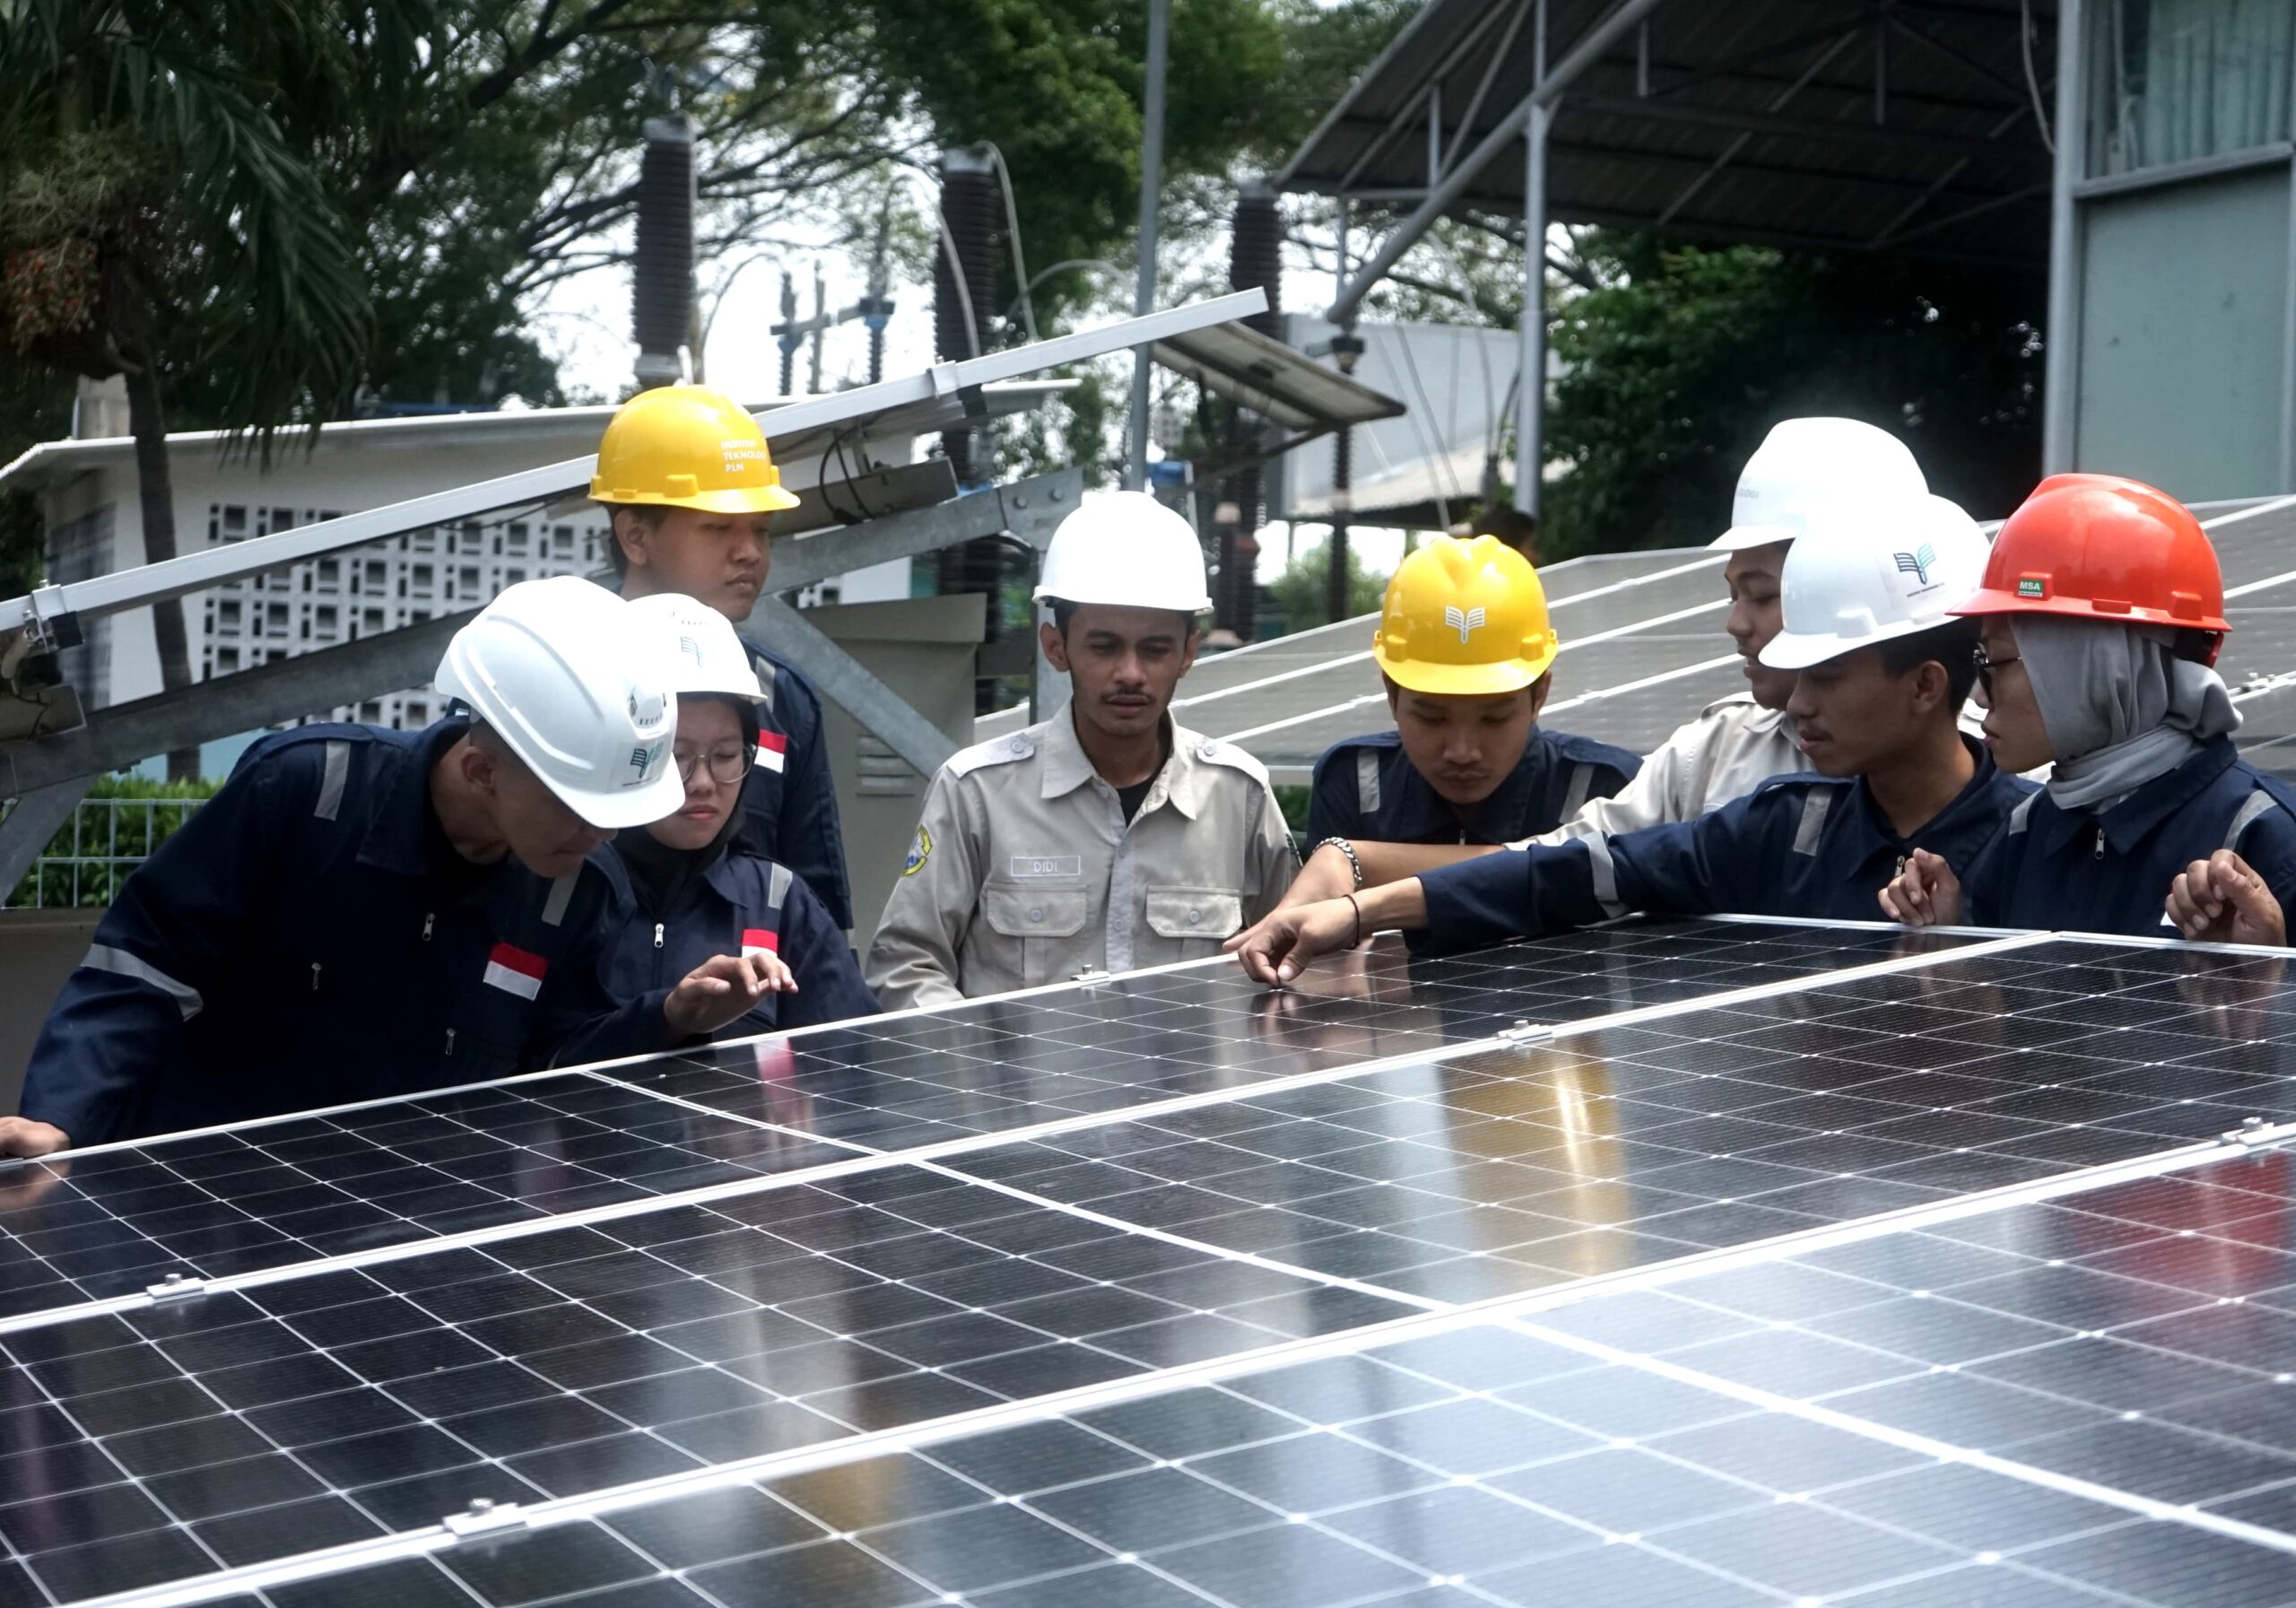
[
  {"x": 760, "y": 941},
  {"x": 515, "y": 972},
  {"x": 772, "y": 752}
]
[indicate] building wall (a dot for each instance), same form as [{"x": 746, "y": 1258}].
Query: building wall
[
  {"x": 2171, "y": 300},
  {"x": 96, "y": 527},
  {"x": 2184, "y": 351}
]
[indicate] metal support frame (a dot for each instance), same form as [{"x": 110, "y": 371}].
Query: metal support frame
[
  {"x": 39, "y": 813},
  {"x": 1777, "y": 103},
  {"x": 1151, "y": 181},
  {"x": 2067, "y": 249},
  {"x": 1530, "y": 391},
  {"x": 838, "y": 674},
  {"x": 287, "y": 688},
  {"x": 212, "y": 567},
  {"x": 1409, "y": 114},
  {"x": 2288, "y": 327},
  {"x": 1598, "y": 39}
]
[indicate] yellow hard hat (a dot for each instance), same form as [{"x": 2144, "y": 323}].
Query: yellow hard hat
[
  {"x": 1464, "y": 619},
  {"x": 687, "y": 446}
]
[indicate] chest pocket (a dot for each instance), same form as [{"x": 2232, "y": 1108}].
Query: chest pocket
[
  {"x": 1207, "y": 914},
  {"x": 1045, "y": 920}
]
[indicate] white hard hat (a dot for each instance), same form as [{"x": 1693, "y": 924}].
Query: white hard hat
[
  {"x": 561, "y": 672},
  {"x": 1125, "y": 547},
  {"x": 1869, "y": 570},
  {"x": 705, "y": 654},
  {"x": 1815, "y": 460}
]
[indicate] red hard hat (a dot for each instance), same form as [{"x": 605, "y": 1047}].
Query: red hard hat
[{"x": 2100, "y": 547}]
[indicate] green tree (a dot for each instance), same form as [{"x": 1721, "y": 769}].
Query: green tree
[
  {"x": 154, "y": 217},
  {"x": 1300, "y": 593},
  {"x": 1677, "y": 367}
]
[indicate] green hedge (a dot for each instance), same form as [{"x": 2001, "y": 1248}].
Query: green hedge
[{"x": 90, "y": 832}]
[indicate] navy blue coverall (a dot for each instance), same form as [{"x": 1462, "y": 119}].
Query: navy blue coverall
[
  {"x": 1809, "y": 846},
  {"x": 737, "y": 902},
  {"x": 2087, "y": 872},
  {"x": 1368, "y": 788},
  {"x": 789, "y": 800},
  {"x": 294, "y": 945}
]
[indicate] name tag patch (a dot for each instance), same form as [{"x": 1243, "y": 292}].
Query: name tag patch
[
  {"x": 1024, "y": 865},
  {"x": 515, "y": 972}
]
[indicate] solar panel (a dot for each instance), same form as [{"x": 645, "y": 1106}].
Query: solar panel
[
  {"x": 2049, "y": 1402},
  {"x": 1564, "y": 1271}
]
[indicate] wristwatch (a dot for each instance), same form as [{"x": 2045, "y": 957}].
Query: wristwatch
[{"x": 1347, "y": 849}]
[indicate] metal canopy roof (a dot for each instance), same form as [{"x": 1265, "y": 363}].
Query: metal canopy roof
[
  {"x": 1261, "y": 373},
  {"x": 1831, "y": 124}
]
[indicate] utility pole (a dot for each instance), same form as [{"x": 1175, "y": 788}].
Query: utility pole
[
  {"x": 820, "y": 322},
  {"x": 1152, "y": 180},
  {"x": 786, "y": 331},
  {"x": 876, "y": 309}
]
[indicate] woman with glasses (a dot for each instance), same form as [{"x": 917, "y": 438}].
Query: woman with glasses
[
  {"x": 687, "y": 891},
  {"x": 2102, "y": 611}
]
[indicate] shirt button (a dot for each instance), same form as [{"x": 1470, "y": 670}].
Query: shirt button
[
  {"x": 1194, "y": 917},
  {"x": 1035, "y": 914}
]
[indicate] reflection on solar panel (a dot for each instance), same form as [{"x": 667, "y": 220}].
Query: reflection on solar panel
[{"x": 1701, "y": 1262}]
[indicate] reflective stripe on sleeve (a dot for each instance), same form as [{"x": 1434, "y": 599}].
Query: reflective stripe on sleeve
[
  {"x": 332, "y": 779},
  {"x": 104, "y": 957}
]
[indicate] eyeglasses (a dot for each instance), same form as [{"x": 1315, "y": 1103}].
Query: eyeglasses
[
  {"x": 1986, "y": 664},
  {"x": 726, "y": 765}
]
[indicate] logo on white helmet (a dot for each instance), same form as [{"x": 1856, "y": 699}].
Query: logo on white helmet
[
  {"x": 1466, "y": 621},
  {"x": 645, "y": 763},
  {"x": 1918, "y": 564}
]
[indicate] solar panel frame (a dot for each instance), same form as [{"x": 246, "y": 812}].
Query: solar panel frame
[{"x": 2153, "y": 980}]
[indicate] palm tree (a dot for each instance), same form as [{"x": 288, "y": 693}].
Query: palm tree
[{"x": 149, "y": 202}]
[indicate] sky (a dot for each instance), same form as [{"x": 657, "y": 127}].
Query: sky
[{"x": 584, "y": 323}]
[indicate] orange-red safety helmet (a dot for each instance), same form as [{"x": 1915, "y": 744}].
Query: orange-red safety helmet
[{"x": 2103, "y": 547}]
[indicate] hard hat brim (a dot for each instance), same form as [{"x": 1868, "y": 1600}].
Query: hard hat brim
[
  {"x": 624, "y": 807},
  {"x": 1799, "y": 650},
  {"x": 1992, "y": 600},
  {"x": 1739, "y": 537},
  {"x": 1463, "y": 681},
  {"x": 1202, "y": 605},
  {"x": 752, "y": 499}
]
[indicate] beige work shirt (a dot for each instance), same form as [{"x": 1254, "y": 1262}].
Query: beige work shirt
[
  {"x": 1023, "y": 870},
  {"x": 1732, "y": 748}
]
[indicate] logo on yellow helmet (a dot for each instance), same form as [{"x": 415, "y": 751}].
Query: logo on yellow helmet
[{"x": 1462, "y": 622}]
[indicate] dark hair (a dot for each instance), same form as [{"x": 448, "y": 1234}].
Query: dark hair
[
  {"x": 650, "y": 515},
  {"x": 1952, "y": 645},
  {"x": 1512, "y": 526}
]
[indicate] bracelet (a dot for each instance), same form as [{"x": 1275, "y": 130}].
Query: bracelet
[
  {"x": 1347, "y": 849},
  {"x": 1352, "y": 905}
]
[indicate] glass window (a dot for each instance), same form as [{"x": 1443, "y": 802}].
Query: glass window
[{"x": 2174, "y": 81}]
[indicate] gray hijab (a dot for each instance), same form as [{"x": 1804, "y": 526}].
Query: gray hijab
[{"x": 2120, "y": 708}]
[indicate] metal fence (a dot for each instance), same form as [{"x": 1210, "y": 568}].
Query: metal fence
[{"x": 87, "y": 861}]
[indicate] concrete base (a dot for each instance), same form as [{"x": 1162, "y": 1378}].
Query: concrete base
[{"x": 37, "y": 951}]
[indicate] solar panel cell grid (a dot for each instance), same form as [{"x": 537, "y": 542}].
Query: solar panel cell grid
[
  {"x": 120, "y": 1220},
  {"x": 343, "y": 1405},
  {"x": 1763, "y": 1432},
  {"x": 918, "y": 1081}
]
